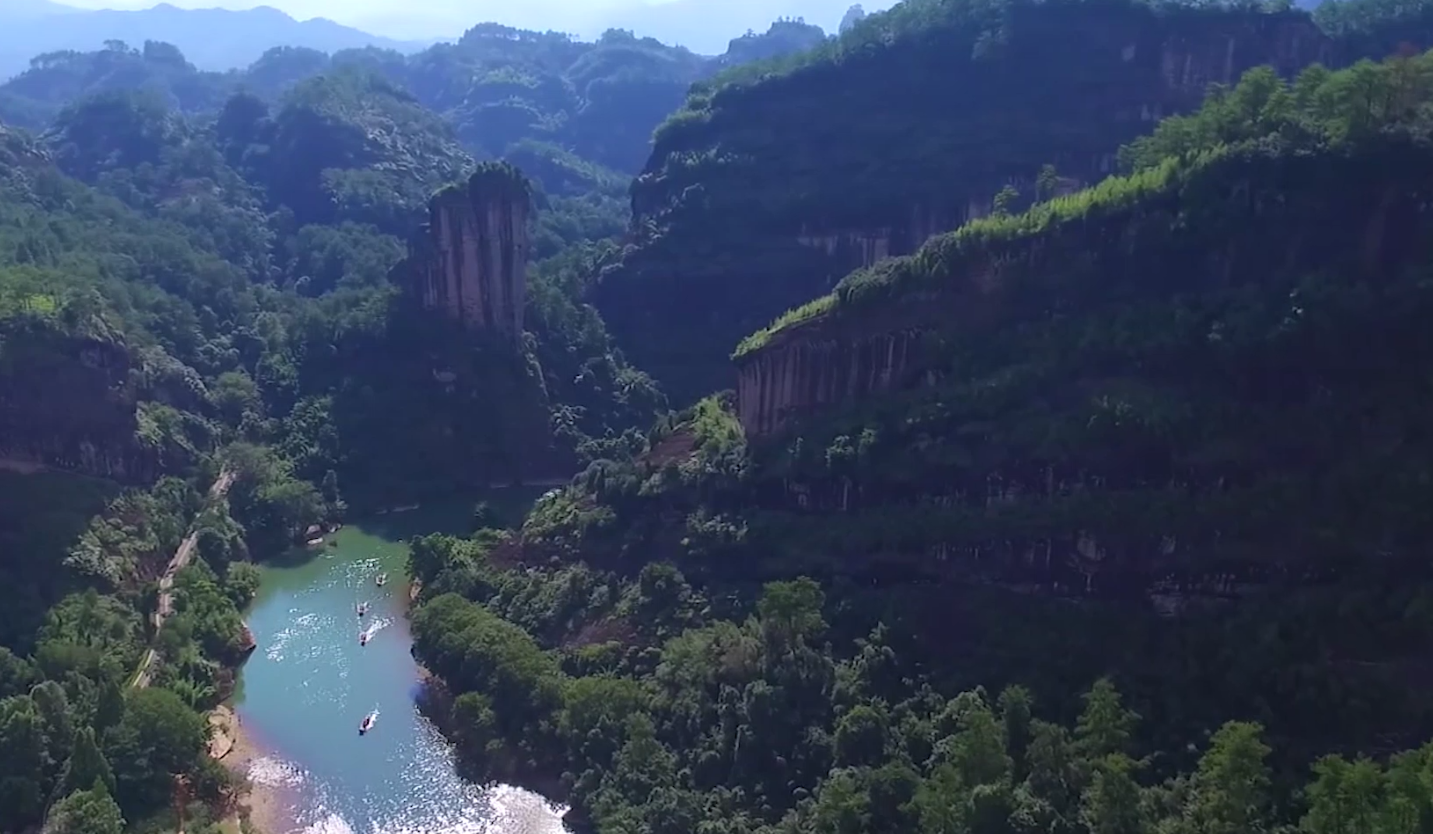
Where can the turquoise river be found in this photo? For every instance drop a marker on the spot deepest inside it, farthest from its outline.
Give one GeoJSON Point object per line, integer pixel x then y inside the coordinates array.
{"type": "Point", "coordinates": [310, 683]}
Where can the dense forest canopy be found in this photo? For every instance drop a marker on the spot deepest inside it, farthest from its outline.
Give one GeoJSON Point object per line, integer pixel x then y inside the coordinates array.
{"type": "Point", "coordinates": [496, 85]}
{"type": "Point", "coordinates": [777, 178]}
{"type": "Point", "coordinates": [1100, 508]}
{"type": "Point", "coordinates": [1164, 406]}
{"type": "Point", "coordinates": [200, 335]}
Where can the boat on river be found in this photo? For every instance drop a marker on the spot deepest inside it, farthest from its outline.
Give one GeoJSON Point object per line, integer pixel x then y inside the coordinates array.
{"type": "Point", "coordinates": [363, 638]}
{"type": "Point", "coordinates": [368, 722]}
{"type": "Point", "coordinates": [362, 608]}
{"type": "Point", "coordinates": [380, 579]}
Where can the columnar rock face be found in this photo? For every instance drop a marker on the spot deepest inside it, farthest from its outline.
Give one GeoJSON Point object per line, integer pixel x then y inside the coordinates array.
{"type": "Point", "coordinates": [470, 260]}
{"type": "Point", "coordinates": [1363, 212]}
{"type": "Point", "coordinates": [750, 172]}
{"type": "Point", "coordinates": [812, 371]}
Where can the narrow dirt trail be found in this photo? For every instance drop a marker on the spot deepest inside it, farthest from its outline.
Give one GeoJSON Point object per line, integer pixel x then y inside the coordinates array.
{"type": "Point", "coordinates": [182, 556]}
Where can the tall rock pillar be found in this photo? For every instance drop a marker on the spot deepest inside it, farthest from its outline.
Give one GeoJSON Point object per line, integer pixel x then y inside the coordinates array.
{"type": "Point", "coordinates": [469, 260]}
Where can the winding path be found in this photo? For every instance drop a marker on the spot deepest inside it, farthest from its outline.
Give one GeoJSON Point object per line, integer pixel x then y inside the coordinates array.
{"type": "Point", "coordinates": [182, 556]}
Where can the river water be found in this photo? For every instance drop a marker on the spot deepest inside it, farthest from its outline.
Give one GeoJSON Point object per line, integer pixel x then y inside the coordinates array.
{"type": "Point", "coordinates": [309, 684]}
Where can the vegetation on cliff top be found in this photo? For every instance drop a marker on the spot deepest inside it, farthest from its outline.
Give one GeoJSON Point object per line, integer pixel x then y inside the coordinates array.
{"type": "Point", "coordinates": [497, 86]}
{"type": "Point", "coordinates": [181, 294]}
{"type": "Point", "coordinates": [1319, 112]}
{"type": "Point", "coordinates": [775, 180]}
{"type": "Point", "coordinates": [212, 293]}
{"type": "Point", "coordinates": [1208, 400]}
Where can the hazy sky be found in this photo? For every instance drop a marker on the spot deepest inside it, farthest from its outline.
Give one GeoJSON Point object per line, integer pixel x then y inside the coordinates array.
{"type": "Point", "coordinates": [415, 18]}
{"type": "Point", "coordinates": [698, 20]}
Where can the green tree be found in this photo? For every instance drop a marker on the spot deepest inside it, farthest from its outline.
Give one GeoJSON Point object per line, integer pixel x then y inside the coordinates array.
{"type": "Point", "coordinates": [16, 674]}
{"type": "Point", "coordinates": [57, 727]}
{"type": "Point", "coordinates": [1004, 201]}
{"type": "Point", "coordinates": [1111, 803]}
{"type": "Point", "coordinates": [86, 766]}
{"type": "Point", "coordinates": [1230, 790]}
{"type": "Point", "coordinates": [91, 811]}
{"type": "Point", "coordinates": [158, 736]}
{"type": "Point", "coordinates": [862, 737]}
{"type": "Point", "coordinates": [1105, 726]}
{"type": "Point", "coordinates": [22, 765]}
{"type": "Point", "coordinates": [1347, 798]}
{"type": "Point", "coordinates": [843, 804]}
{"type": "Point", "coordinates": [791, 611]}
{"type": "Point", "coordinates": [977, 749]}
{"type": "Point", "coordinates": [241, 583]}
{"type": "Point", "coordinates": [1015, 708]}
{"type": "Point", "coordinates": [1046, 182]}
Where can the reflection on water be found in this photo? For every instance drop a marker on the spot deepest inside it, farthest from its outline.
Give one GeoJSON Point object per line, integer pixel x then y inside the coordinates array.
{"type": "Point", "coordinates": [305, 693]}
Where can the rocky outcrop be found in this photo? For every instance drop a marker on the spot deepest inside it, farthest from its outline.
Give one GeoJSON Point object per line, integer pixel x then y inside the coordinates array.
{"type": "Point", "coordinates": [1169, 70]}
{"type": "Point", "coordinates": [469, 261]}
{"type": "Point", "coordinates": [818, 368]}
{"type": "Point", "coordinates": [873, 341]}
{"type": "Point", "coordinates": [68, 401]}
{"type": "Point", "coordinates": [842, 159]}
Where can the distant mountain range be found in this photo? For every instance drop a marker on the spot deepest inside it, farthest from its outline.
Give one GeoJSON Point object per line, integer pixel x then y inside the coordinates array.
{"type": "Point", "coordinates": [218, 39]}
{"type": "Point", "coordinates": [213, 39]}
{"type": "Point", "coordinates": [706, 26]}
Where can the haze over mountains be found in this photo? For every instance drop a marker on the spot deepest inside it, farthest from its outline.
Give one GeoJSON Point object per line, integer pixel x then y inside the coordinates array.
{"type": "Point", "coordinates": [235, 36]}
{"type": "Point", "coordinates": [214, 39]}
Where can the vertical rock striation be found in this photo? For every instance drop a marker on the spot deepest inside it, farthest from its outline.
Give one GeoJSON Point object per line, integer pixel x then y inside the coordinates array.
{"type": "Point", "coordinates": [469, 260]}
{"type": "Point", "coordinates": [1367, 210]}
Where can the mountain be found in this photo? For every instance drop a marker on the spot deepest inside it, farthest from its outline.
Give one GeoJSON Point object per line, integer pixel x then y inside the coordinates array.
{"type": "Point", "coordinates": [29, 9]}
{"type": "Point", "coordinates": [706, 27]}
{"type": "Point", "coordinates": [215, 39]}
{"type": "Point", "coordinates": [752, 222]}
{"type": "Point", "coordinates": [1054, 459]}
{"type": "Point", "coordinates": [1153, 410]}
{"type": "Point", "coordinates": [496, 85]}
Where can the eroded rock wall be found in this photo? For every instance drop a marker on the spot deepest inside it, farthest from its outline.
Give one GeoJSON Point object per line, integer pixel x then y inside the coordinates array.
{"type": "Point", "coordinates": [470, 260]}
{"type": "Point", "coordinates": [1168, 71]}
{"type": "Point", "coordinates": [1366, 217]}
{"type": "Point", "coordinates": [68, 402]}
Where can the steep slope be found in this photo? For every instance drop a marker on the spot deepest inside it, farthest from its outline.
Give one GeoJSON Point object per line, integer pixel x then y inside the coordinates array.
{"type": "Point", "coordinates": [1150, 344]}
{"type": "Point", "coordinates": [347, 146]}
{"type": "Point", "coordinates": [497, 86]}
{"type": "Point", "coordinates": [774, 181]}
{"type": "Point", "coordinates": [1190, 398]}
{"type": "Point", "coordinates": [469, 261]}
{"type": "Point", "coordinates": [353, 376]}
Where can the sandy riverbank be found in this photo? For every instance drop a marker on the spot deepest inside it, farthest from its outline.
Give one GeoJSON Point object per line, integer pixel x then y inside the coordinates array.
{"type": "Point", "coordinates": [267, 806]}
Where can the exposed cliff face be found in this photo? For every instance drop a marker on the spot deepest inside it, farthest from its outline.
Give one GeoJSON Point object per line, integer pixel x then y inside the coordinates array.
{"type": "Point", "coordinates": [814, 369]}
{"type": "Point", "coordinates": [1272, 216]}
{"type": "Point", "coordinates": [470, 260]}
{"type": "Point", "coordinates": [68, 402]}
{"type": "Point", "coordinates": [856, 160]}
{"type": "Point", "coordinates": [1169, 68]}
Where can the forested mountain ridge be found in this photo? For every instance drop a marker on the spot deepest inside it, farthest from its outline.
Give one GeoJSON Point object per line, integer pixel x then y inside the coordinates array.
{"type": "Point", "coordinates": [219, 38]}
{"type": "Point", "coordinates": [1166, 429]}
{"type": "Point", "coordinates": [775, 180]}
{"type": "Point", "coordinates": [186, 293]}
{"type": "Point", "coordinates": [496, 85]}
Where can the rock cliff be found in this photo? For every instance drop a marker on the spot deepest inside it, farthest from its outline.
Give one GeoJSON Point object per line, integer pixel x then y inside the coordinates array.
{"type": "Point", "coordinates": [68, 401]}
{"type": "Point", "coordinates": [886, 328]}
{"type": "Point", "coordinates": [469, 261]}
{"type": "Point", "coordinates": [858, 157]}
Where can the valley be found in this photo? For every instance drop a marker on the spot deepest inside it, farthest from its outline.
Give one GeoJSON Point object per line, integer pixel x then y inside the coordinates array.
{"type": "Point", "coordinates": [995, 418]}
